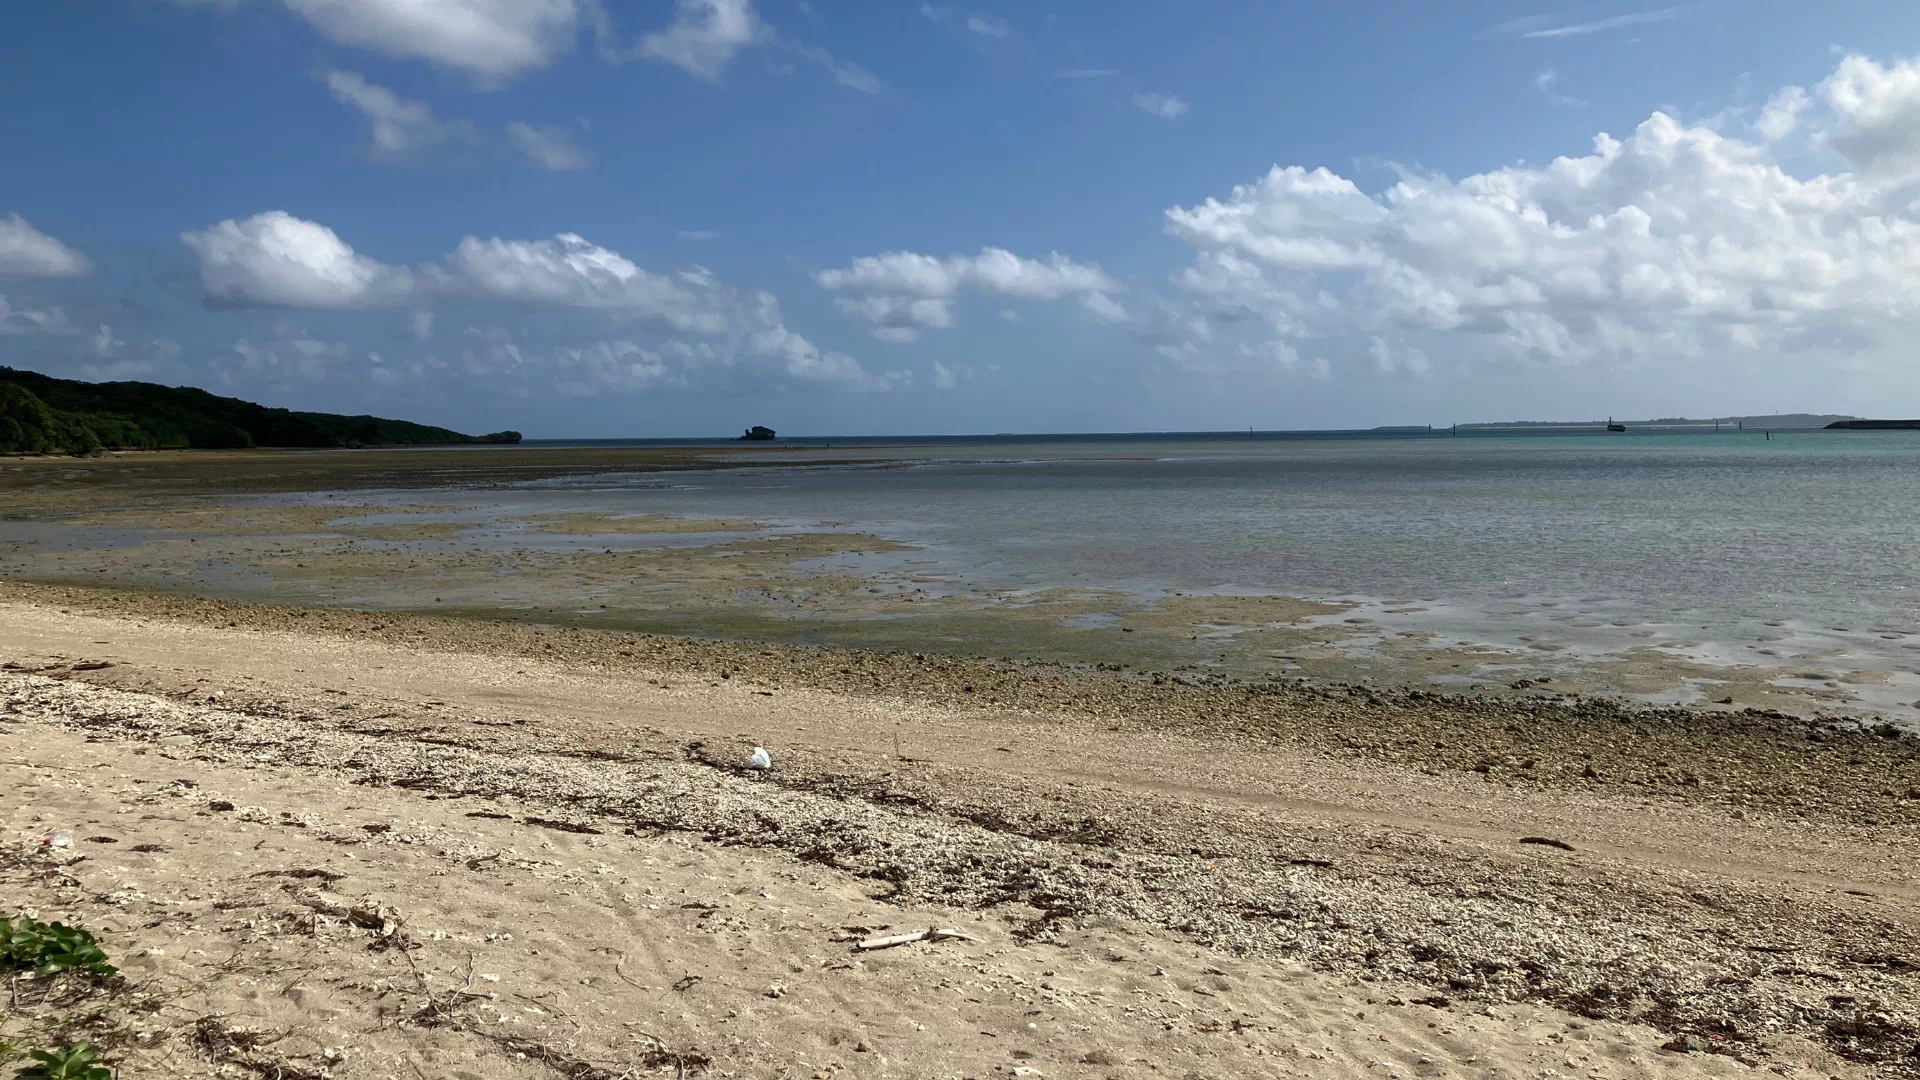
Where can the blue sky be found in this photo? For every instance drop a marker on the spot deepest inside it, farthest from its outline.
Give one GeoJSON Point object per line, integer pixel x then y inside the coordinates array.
{"type": "Point", "coordinates": [603, 218]}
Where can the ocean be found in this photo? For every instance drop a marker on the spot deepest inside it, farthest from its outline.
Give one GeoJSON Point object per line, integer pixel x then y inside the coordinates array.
{"type": "Point", "coordinates": [1799, 552]}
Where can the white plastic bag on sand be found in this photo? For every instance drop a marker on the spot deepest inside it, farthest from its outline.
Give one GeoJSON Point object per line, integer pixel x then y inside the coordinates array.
{"type": "Point", "coordinates": [759, 759]}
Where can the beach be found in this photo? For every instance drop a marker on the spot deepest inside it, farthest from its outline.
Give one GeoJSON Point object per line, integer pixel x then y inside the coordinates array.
{"type": "Point", "coordinates": [1662, 569]}
{"type": "Point", "coordinates": [322, 839]}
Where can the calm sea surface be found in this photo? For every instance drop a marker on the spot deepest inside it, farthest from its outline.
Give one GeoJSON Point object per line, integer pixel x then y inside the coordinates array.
{"type": "Point", "coordinates": [1810, 540]}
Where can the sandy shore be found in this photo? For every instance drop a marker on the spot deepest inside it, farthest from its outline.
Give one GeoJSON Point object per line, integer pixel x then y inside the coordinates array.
{"type": "Point", "coordinates": [389, 845]}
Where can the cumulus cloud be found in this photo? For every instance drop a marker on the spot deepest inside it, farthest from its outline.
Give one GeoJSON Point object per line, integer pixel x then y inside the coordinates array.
{"type": "Point", "coordinates": [27, 251]}
{"type": "Point", "coordinates": [704, 36]}
{"type": "Point", "coordinates": [492, 40]}
{"type": "Point", "coordinates": [569, 271]}
{"type": "Point", "coordinates": [551, 148]}
{"type": "Point", "coordinates": [1165, 106]}
{"type": "Point", "coordinates": [899, 318]}
{"type": "Point", "coordinates": [278, 260]}
{"type": "Point", "coordinates": [900, 293]}
{"type": "Point", "coordinates": [401, 128]}
{"type": "Point", "coordinates": [1675, 241]}
{"type": "Point", "coordinates": [744, 332]}
{"type": "Point", "coordinates": [1781, 114]}
{"type": "Point", "coordinates": [1876, 113]}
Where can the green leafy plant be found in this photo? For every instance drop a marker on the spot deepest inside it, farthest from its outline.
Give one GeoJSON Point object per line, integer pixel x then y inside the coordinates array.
{"type": "Point", "coordinates": [51, 948]}
{"type": "Point", "coordinates": [76, 1062]}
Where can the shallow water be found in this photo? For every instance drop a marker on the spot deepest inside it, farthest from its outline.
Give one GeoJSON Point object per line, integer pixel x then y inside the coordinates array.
{"type": "Point", "coordinates": [1588, 545]}
{"type": "Point", "coordinates": [1677, 567]}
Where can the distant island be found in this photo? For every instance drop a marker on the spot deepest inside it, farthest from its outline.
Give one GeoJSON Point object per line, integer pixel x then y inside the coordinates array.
{"type": "Point", "coordinates": [1776, 420]}
{"type": "Point", "coordinates": [757, 433]}
{"type": "Point", "coordinates": [1875, 425]}
{"type": "Point", "coordinates": [40, 414]}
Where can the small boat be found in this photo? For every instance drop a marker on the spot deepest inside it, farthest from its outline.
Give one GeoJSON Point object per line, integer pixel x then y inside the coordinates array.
{"type": "Point", "coordinates": [1611, 426]}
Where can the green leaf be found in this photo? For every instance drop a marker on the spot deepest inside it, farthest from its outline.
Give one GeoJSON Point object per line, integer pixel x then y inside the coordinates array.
{"type": "Point", "coordinates": [76, 1062]}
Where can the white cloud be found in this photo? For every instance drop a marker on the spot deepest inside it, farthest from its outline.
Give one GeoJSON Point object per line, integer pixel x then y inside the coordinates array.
{"type": "Point", "coordinates": [569, 271]}
{"type": "Point", "coordinates": [901, 293]}
{"type": "Point", "coordinates": [1674, 242]}
{"type": "Point", "coordinates": [988, 27]}
{"type": "Point", "coordinates": [747, 334]}
{"type": "Point", "coordinates": [421, 323]}
{"type": "Point", "coordinates": [1781, 114]}
{"type": "Point", "coordinates": [1086, 73]}
{"type": "Point", "coordinates": [278, 260]}
{"type": "Point", "coordinates": [101, 355]}
{"type": "Point", "coordinates": [944, 377]}
{"type": "Point", "coordinates": [1165, 106]}
{"type": "Point", "coordinates": [704, 36]}
{"type": "Point", "coordinates": [27, 251]}
{"type": "Point", "coordinates": [899, 318]}
{"type": "Point", "coordinates": [1531, 27]}
{"type": "Point", "coordinates": [623, 365]}
{"type": "Point", "coordinates": [1876, 113]}
{"type": "Point", "coordinates": [551, 148]}
{"type": "Point", "coordinates": [1103, 307]}
{"type": "Point", "coordinates": [401, 128]}
{"type": "Point", "coordinates": [936, 14]}
{"type": "Point", "coordinates": [492, 40]}
{"type": "Point", "coordinates": [1389, 357]}
{"type": "Point", "coordinates": [993, 270]}
{"type": "Point", "coordinates": [49, 320]}
{"type": "Point", "coordinates": [699, 234]}
{"type": "Point", "coordinates": [1517, 26]}
{"type": "Point", "coordinates": [850, 75]}
{"type": "Point", "coordinates": [104, 343]}
{"type": "Point", "coordinates": [1547, 81]}
{"type": "Point", "coordinates": [283, 359]}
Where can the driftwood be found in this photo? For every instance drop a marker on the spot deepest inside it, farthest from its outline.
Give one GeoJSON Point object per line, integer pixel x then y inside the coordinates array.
{"type": "Point", "coordinates": [889, 941]}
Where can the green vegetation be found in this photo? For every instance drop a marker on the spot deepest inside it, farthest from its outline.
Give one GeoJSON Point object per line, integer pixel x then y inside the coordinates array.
{"type": "Point", "coordinates": [76, 1062]}
{"type": "Point", "coordinates": [50, 948]}
{"type": "Point", "coordinates": [40, 414]}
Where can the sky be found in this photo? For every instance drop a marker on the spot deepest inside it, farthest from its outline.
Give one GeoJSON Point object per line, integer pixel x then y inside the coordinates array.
{"type": "Point", "coordinates": [634, 218]}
